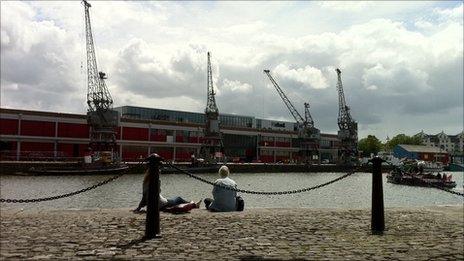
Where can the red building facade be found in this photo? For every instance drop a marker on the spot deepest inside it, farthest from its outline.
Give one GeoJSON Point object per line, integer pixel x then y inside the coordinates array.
{"type": "Point", "coordinates": [38, 135]}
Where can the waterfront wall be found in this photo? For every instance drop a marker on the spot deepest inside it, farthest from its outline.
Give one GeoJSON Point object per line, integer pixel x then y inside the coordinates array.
{"type": "Point", "coordinates": [22, 168]}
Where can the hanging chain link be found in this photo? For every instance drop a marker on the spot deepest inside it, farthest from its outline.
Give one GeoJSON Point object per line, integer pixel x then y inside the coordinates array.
{"type": "Point", "coordinates": [63, 195]}
{"type": "Point", "coordinates": [430, 184]}
{"type": "Point", "coordinates": [441, 188]}
{"type": "Point", "coordinates": [264, 192]}
{"type": "Point", "coordinates": [2, 200]}
{"type": "Point", "coordinates": [287, 192]}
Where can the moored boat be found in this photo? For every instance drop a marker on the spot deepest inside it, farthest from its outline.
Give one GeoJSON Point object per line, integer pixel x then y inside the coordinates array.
{"type": "Point", "coordinates": [456, 167]}
{"type": "Point", "coordinates": [431, 166]}
{"type": "Point", "coordinates": [398, 176]}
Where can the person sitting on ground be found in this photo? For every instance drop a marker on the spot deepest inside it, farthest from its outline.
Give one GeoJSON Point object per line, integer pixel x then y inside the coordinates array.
{"type": "Point", "coordinates": [223, 199]}
{"type": "Point", "coordinates": [174, 204]}
{"type": "Point", "coordinates": [449, 177]}
{"type": "Point", "coordinates": [421, 169]}
{"type": "Point", "coordinates": [444, 177]}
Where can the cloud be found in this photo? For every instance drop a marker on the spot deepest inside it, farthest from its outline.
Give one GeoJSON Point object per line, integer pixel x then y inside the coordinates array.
{"type": "Point", "coordinates": [347, 6]}
{"type": "Point", "coordinates": [36, 66]}
{"type": "Point", "coordinates": [400, 64]}
{"type": "Point", "coordinates": [236, 86]}
{"type": "Point", "coordinates": [379, 76]}
{"type": "Point", "coordinates": [446, 14]}
{"type": "Point", "coordinates": [308, 75]}
{"type": "Point", "coordinates": [139, 71]}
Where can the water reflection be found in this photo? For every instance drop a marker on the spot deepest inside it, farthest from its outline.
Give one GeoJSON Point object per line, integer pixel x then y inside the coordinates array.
{"type": "Point", "coordinates": [125, 192]}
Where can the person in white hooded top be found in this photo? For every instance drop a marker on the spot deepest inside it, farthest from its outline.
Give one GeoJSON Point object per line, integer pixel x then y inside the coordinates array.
{"type": "Point", "coordinates": [223, 199]}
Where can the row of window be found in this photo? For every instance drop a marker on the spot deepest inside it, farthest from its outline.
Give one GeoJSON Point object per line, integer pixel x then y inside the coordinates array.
{"type": "Point", "coordinates": [277, 139]}
{"type": "Point", "coordinates": [158, 114]}
{"type": "Point", "coordinates": [181, 116]}
{"type": "Point", "coordinates": [278, 153]}
{"type": "Point", "coordinates": [236, 121]}
{"type": "Point", "coordinates": [226, 120]}
{"type": "Point", "coordinates": [450, 147]}
{"type": "Point", "coordinates": [181, 133]}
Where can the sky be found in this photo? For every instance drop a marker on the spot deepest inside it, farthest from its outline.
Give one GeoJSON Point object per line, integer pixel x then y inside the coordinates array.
{"type": "Point", "coordinates": [401, 62]}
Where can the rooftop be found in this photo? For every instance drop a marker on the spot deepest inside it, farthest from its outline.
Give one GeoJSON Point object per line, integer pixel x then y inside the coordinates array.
{"type": "Point", "coordinates": [421, 148]}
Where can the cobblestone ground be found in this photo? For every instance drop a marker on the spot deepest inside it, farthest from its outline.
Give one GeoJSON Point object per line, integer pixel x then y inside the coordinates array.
{"type": "Point", "coordinates": [255, 234]}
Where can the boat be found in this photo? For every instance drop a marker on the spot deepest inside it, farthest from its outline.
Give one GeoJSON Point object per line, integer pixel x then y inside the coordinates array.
{"type": "Point", "coordinates": [398, 176]}
{"type": "Point", "coordinates": [96, 168]}
{"type": "Point", "coordinates": [456, 167]}
{"type": "Point", "coordinates": [432, 166]}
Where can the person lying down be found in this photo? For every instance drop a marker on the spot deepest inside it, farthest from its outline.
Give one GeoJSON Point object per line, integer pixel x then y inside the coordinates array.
{"type": "Point", "coordinates": [175, 205]}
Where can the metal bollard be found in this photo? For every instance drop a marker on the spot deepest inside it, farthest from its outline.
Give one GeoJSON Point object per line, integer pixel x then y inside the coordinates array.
{"type": "Point", "coordinates": [377, 218]}
{"type": "Point", "coordinates": [152, 222]}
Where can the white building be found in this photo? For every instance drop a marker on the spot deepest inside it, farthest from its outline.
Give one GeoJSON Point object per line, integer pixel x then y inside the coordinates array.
{"type": "Point", "coordinates": [450, 143]}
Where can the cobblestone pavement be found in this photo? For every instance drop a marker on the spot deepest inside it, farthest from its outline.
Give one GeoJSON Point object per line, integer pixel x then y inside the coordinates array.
{"type": "Point", "coordinates": [434, 233]}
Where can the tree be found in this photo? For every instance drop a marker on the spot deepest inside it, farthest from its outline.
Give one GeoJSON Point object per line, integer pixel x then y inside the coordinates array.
{"type": "Point", "coordinates": [403, 139]}
{"type": "Point", "coordinates": [369, 145]}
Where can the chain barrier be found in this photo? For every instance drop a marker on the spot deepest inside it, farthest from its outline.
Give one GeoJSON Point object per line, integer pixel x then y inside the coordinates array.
{"type": "Point", "coordinates": [264, 192]}
{"type": "Point", "coordinates": [214, 184]}
{"type": "Point", "coordinates": [442, 188]}
{"type": "Point", "coordinates": [430, 184]}
{"type": "Point", "coordinates": [2, 200]}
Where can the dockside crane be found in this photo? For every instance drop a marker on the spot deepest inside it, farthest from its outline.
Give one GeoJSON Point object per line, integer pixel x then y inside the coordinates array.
{"type": "Point", "coordinates": [101, 117]}
{"type": "Point", "coordinates": [348, 127]}
{"type": "Point", "coordinates": [308, 119]}
{"type": "Point", "coordinates": [212, 146]}
{"type": "Point", "coordinates": [308, 135]}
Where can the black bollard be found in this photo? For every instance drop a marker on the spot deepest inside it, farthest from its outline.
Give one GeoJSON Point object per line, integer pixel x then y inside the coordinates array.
{"type": "Point", "coordinates": [152, 222]}
{"type": "Point", "coordinates": [377, 218]}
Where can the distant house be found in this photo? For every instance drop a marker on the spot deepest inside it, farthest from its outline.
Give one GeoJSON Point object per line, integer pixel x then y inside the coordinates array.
{"type": "Point", "coordinates": [453, 144]}
{"type": "Point", "coordinates": [420, 152]}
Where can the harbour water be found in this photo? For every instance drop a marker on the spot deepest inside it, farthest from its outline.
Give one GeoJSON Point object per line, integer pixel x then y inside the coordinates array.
{"type": "Point", "coordinates": [353, 192]}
